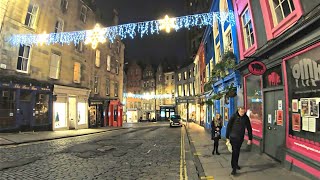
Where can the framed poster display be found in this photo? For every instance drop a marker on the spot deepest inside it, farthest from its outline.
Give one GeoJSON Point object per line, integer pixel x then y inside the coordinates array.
{"type": "Point", "coordinates": [296, 122]}
{"type": "Point", "coordinates": [305, 124]}
{"type": "Point", "coordinates": [305, 107]}
{"type": "Point", "coordinates": [279, 117]}
{"type": "Point", "coordinates": [295, 105]}
{"type": "Point", "coordinates": [314, 108]}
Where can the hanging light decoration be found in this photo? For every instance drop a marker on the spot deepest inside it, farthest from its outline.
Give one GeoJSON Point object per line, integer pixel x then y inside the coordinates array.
{"type": "Point", "coordinates": [95, 36]}
{"type": "Point", "coordinates": [167, 23]}
{"type": "Point", "coordinates": [99, 34]}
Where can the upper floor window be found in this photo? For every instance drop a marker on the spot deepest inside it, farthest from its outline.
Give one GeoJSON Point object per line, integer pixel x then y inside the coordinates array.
{"type": "Point", "coordinates": [64, 5]}
{"type": "Point", "coordinates": [76, 72]}
{"type": "Point", "coordinates": [97, 58]}
{"type": "Point", "coordinates": [107, 87]}
{"type": "Point", "coordinates": [179, 77]}
{"type": "Point", "coordinates": [83, 14]}
{"type": "Point", "coordinates": [59, 26]}
{"type": "Point", "coordinates": [23, 58]}
{"type": "Point", "coordinates": [247, 29]}
{"type": "Point", "coordinates": [116, 89]}
{"type": "Point", "coordinates": [117, 67]}
{"type": "Point", "coordinates": [55, 65]}
{"type": "Point", "coordinates": [281, 9]}
{"type": "Point", "coordinates": [108, 63]}
{"type": "Point", "coordinates": [185, 75]}
{"type": "Point", "coordinates": [218, 53]}
{"type": "Point", "coordinates": [79, 46]}
{"type": "Point", "coordinates": [228, 44]}
{"type": "Point", "coordinates": [31, 16]}
{"type": "Point", "coordinates": [96, 84]}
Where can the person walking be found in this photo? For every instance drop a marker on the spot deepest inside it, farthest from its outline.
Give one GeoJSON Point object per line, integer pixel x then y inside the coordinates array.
{"type": "Point", "coordinates": [216, 126]}
{"type": "Point", "coordinates": [238, 122]}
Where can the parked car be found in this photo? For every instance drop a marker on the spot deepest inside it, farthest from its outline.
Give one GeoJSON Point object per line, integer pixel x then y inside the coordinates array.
{"type": "Point", "coordinates": [175, 120]}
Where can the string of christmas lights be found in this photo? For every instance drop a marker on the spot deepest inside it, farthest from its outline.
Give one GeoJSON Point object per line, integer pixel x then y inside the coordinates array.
{"type": "Point", "coordinates": [148, 96]}
{"type": "Point", "coordinates": [123, 31]}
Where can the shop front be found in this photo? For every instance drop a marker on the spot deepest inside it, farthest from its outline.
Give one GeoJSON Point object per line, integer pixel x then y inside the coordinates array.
{"type": "Point", "coordinates": [97, 108]}
{"type": "Point", "coordinates": [25, 107]}
{"type": "Point", "coordinates": [70, 108]}
{"type": "Point", "coordinates": [302, 90]}
{"type": "Point", "coordinates": [166, 111]}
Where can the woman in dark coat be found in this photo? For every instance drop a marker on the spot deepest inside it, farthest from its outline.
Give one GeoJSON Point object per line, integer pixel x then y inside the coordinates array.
{"type": "Point", "coordinates": [216, 126]}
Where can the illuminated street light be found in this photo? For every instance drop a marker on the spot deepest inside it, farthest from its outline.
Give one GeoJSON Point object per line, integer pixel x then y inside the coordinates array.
{"type": "Point", "coordinates": [95, 36]}
{"type": "Point", "coordinates": [167, 23]}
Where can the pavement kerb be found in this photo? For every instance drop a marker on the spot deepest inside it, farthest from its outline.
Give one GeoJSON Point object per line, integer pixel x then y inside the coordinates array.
{"type": "Point", "coordinates": [198, 164]}
{"type": "Point", "coordinates": [61, 137]}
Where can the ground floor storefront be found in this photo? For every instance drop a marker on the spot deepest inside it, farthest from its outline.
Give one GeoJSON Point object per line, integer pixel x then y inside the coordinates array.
{"type": "Point", "coordinates": [25, 107]}
{"type": "Point", "coordinates": [70, 108]}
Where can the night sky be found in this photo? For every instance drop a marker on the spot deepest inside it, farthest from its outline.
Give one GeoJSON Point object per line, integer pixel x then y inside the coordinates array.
{"type": "Point", "coordinates": [150, 48]}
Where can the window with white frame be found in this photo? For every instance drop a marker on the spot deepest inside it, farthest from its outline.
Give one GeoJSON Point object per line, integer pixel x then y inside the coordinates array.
{"type": "Point", "coordinates": [59, 26]}
{"type": "Point", "coordinates": [31, 16]}
{"type": "Point", "coordinates": [96, 85]}
{"type": "Point", "coordinates": [108, 63]}
{"type": "Point", "coordinates": [107, 87]}
{"type": "Point", "coordinates": [281, 9]}
{"type": "Point", "coordinates": [23, 58]}
{"type": "Point", "coordinates": [79, 46]}
{"type": "Point", "coordinates": [55, 66]}
{"type": "Point", "coordinates": [97, 63]}
{"type": "Point", "coordinates": [83, 13]}
{"type": "Point", "coordinates": [64, 5]}
{"type": "Point", "coordinates": [179, 77]}
{"type": "Point", "coordinates": [76, 72]}
{"type": "Point", "coordinates": [116, 89]}
{"type": "Point", "coordinates": [247, 29]}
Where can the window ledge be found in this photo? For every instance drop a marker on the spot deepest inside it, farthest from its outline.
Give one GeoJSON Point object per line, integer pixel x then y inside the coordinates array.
{"type": "Point", "coordinates": [250, 50]}
{"type": "Point", "coordinates": [285, 24]}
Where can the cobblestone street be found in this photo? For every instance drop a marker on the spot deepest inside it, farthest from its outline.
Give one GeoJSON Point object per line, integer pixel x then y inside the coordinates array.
{"type": "Point", "coordinates": [137, 153]}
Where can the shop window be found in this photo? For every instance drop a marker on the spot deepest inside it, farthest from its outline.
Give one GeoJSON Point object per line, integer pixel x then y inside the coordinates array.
{"type": "Point", "coordinates": [59, 114]}
{"type": "Point", "coordinates": [7, 108]}
{"type": "Point", "coordinates": [304, 95]}
{"type": "Point", "coordinates": [253, 101]}
{"type": "Point", "coordinates": [97, 58]}
{"type": "Point", "coordinates": [31, 16]}
{"type": "Point", "coordinates": [23, 58]}
{"type": "Point", "coordinates": [55, 66]}
{"type": "Point", "coordinates": [42, 109]}
{"type": "Point", "coordinates": [247, 29]}
{"type": "Point", "coordinates": [76, 72]}
{"type": "Point", "coordinates": [82, 113]}
{"type": "Point", "coordinates": [108, 63]}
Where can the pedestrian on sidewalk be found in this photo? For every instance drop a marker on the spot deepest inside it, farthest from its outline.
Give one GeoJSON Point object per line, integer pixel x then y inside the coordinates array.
{"type": "Point", "coordinates": [238, 122]}
{"type": "Point", "coordinates": [216, 126]}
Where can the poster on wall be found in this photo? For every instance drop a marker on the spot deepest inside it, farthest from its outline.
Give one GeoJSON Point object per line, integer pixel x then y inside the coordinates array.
{"type": "Point", "coordinates": [314, 108]}
{"type": "Point", "coordinates": [295, 106]}
{"type": "Point", "coordinates": [279, 117]}
{"type": "Point", "coordinates": [305, 124]}
{"type": "Point", "coordinates": [305, 107]}
{"type": "Point", "coordinates": [226, 112]}
{"type": "Point", "coordinates": [269, 118]}
{"type": "Point", "coordinates": [296, 122]}
{"type": "Point", "coordinates": [312, 124]}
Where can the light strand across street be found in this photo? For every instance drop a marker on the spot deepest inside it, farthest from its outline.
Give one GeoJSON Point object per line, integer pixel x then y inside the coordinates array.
{"type": "Point", "coordinates": [123, 31]}
{"type": "Point", "coordinates": [148, 96]}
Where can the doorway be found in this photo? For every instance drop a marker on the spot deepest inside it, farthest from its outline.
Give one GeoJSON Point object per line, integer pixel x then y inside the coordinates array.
{"type": "Point", "coordinates": [72, 112]}
{"type": "Point", "coordinates": [26, 110]}
{"type": "Point", "coordinates": [274, 124]}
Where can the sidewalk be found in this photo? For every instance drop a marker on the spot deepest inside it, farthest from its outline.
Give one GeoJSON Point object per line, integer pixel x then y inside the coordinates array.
{"type": "Point", "coordinates": [253, 165]}
{"type": "Point", "coordinates": [25, 137]}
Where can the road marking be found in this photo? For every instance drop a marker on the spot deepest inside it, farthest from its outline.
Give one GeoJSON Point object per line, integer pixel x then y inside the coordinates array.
{"type": "Point", "coordinates": [183, 164]}
{"type": "Point", "coordinates": [149, 151]}
{"type": "Point", "coordinates": [207, 177]}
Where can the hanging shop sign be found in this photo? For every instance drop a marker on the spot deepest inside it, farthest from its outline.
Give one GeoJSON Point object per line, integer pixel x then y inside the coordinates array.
{"type": "Point", "coordinates": [257, 68]}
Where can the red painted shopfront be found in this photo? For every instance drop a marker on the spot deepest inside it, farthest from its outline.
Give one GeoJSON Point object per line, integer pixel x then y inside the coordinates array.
{"type": "Point", "coordinates": [115, 113]}
{"type": "Point", "coordinates": [302, 90]}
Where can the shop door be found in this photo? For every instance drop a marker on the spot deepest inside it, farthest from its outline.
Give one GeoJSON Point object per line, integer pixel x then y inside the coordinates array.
{"type": "Point", "coordinates": [26, 109]}
{"type": "Point", "coordinates": [72, 112]}
{"type": "Point", "coordinates": [274, 128]}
